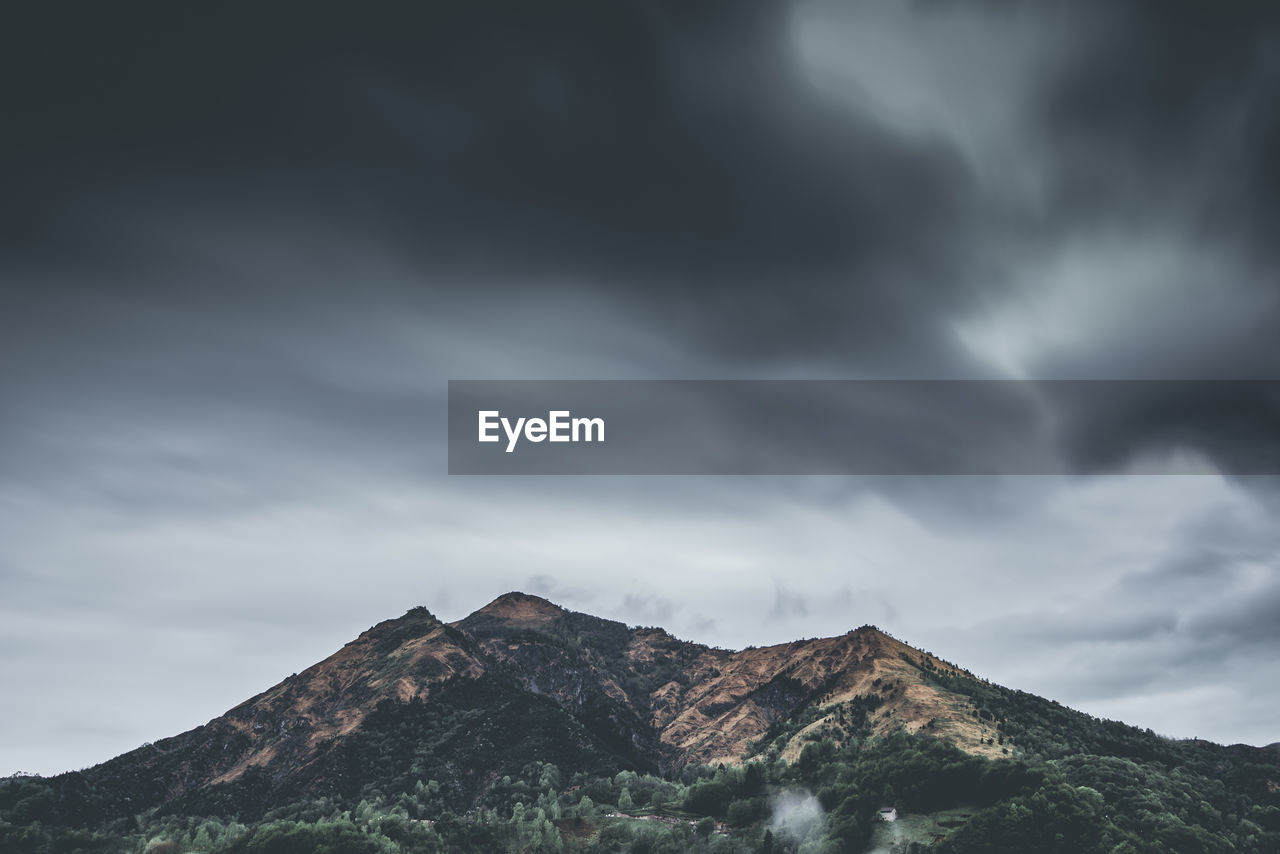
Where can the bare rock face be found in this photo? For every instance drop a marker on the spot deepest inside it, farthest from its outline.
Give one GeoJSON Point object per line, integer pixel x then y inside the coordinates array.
{"type": "Point", "coordinates": [595, 690]}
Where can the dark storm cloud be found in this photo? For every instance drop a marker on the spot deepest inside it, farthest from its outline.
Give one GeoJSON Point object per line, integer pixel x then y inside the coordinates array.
{"type": "Point", "coordinates": [1169, 123]}
{"type": "Point", "coordinates": [1102, 425]}
{"type": "Point", "coordinates": [1173, 111]}
{"type": "Point", "coordinates": [676, 153]}
{"type": "Point", "coordinates": [677, 158]}
{"type": "Point", "coordinates": [1161, 133]}
{"type": "Point", "coordinates": [242, 251]}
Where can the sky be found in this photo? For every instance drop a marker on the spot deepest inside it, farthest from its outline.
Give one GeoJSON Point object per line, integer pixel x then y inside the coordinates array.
{"type": "Point", "coordinates": [241, 254]}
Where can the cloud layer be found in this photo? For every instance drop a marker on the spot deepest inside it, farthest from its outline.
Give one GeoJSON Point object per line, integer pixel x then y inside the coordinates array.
{"type": "Point", "coordinates": [241, 258]}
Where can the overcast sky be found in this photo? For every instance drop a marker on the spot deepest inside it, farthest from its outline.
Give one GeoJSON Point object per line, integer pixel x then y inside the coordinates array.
{"type": "Point", "coordinates": [242, 254]}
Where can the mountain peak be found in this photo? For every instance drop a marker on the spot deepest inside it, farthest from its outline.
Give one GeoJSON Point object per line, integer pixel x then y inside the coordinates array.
{"type": "Point", "coordinates": [599, 688]}
{"type": "Point", "coordinates": [417, 617]}
{"type": "Point", "coordinates": [515, 610]}
{"type": "Point", "coordinates": [516, 597]}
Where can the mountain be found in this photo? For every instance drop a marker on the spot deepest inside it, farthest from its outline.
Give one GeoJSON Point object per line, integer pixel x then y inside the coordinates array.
{"type": "Point", "coordinates": [634, 698]}
{"type": "Point", "coordinates": [459, 716]}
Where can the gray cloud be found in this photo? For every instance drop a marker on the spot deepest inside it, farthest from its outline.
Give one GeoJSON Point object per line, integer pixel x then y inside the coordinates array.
{"type": "Point", "coordinates": [649, 609]}
{"type": "Point", "coordinates": [787, 603]}
{"type": "Point", "coordinates": [240, 261]}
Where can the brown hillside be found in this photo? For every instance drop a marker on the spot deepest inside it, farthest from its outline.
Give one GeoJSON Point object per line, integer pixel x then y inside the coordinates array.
{"type": "Point", "coordinates": [639, 694]}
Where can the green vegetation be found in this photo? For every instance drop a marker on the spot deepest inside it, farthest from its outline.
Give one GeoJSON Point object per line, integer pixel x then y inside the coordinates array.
{"type": "Point", "coordinates": [490, 765]}
{"type": "Point", "coordinates": [1218, 799]}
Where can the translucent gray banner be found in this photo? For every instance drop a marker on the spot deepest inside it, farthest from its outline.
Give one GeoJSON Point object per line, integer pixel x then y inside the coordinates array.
{"type": "Point", "coordinates": [860, 427]}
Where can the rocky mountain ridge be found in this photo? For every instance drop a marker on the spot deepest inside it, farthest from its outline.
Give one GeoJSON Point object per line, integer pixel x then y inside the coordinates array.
{"type": "Point", "coordinates": [630, 697]}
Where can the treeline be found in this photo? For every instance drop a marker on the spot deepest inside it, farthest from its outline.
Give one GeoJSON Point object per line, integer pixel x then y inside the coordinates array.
{"type": "Point", "coordinates": [446, 778]}
{"type": "Point", "coordinates": [728, 809]}
{"type": "Point", "coordinates": [1165, 794]}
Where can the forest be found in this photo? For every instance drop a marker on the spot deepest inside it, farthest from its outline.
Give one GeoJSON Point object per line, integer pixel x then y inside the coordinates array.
{"type": "Point", "coordinates": [470, 774]}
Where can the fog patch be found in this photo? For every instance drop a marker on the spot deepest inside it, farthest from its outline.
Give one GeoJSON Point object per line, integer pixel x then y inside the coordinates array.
{"type": "Point", "coordinates": [799, 818]}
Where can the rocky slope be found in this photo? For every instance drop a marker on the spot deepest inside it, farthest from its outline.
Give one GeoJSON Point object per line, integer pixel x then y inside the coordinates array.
{"type": "Point", "coordinates": [589, 690]}
{"type": "Point", "coordinates": [710, 705]}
